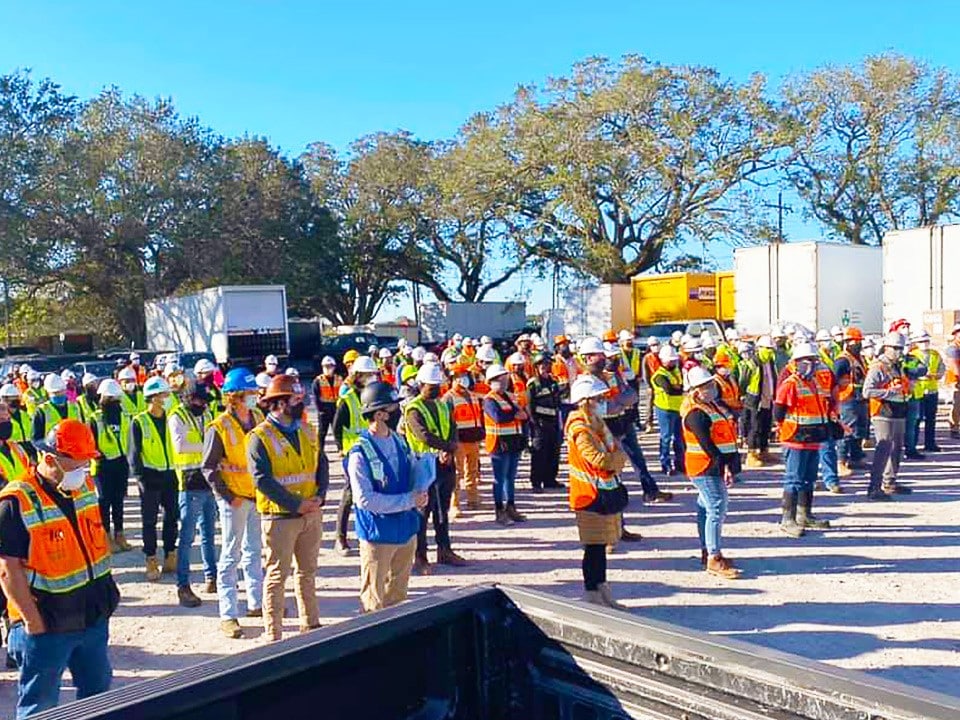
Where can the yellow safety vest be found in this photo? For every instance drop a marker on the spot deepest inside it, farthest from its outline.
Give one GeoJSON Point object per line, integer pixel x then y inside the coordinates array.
{"type": "Point", "coordinates": [186, 461]}
{"type": "Point", "coordinates": [133, 406]}
{"type": "Point", "coordinates": [110, 446]}
{"type": "Point", "coordinates": [52, 414]}
{"type": "Point", "coordinates": [351, 433]}
{"type": "Point", "coordinates": [931, 384]}
{"type": "Point", "coordinates": [295, 471]}
{"type": "Point", "coordinates": [15, 468]}
{"type": "Point", "coordinates": [33, 398]}
{"type": "Point", "coordinates": [156, 452]}
{"type": "Point", "coordinates": [233, 468]}
{"type": "Point", "coordinates": [443, 411]}
{"type": "Point", "coordinates": [22, 431]}
{"type": "Point", "coordinates": [661, 399]}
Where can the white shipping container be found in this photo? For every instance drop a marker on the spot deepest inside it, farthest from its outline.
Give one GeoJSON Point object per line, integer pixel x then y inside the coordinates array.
{"type": "Point", "coordinates": [919, 272]}
{"type": "Point", "coordinates": [815, 284]}
{"type": "Point", "coordinates": [441, 320]}
{"type": "Point", "coordinates": [595, 309]}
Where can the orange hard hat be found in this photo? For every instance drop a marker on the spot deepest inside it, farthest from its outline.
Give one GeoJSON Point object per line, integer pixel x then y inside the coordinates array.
{"type": "Point", "coordinates": [722, 358]}
{"type": "Point", "coordinates": [610, 336]}
{"type": "Point", "coordinates": [283, 386]}
{"type": "Point", "coordinates": [69, 438]}
{"type": "Point", "coordinates": [560, 339]}
{"type": "Point", "coordinates": [460, 368]}
{"type": "Point", "coordinates": [852, 333]}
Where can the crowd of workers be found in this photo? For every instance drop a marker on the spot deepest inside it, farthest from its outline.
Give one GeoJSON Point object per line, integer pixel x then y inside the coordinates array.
{"type": "Point", "coordinates": [410, 428]}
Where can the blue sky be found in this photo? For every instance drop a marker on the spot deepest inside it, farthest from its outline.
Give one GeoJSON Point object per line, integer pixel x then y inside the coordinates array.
{"type": "Point", "coordinates": [296, 72]}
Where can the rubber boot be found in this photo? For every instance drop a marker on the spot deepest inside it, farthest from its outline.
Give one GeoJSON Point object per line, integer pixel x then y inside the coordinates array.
{"type": "Point", "coordinates": [805, 516]}
{"type": "Point", "coordinates": [607, 596]}
{"type": "Point", "coordinates": [788, 523]}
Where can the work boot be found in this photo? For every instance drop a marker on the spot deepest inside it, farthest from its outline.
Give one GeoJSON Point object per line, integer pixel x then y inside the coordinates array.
{"type": "Point", "coordinates": [788, 523]}
{"type": "Point", "coordinates": [753, 460]}
{"type": "Point", "coordinates": [421, 565]}
{"type": "Point", "coordinates": [308, 628]}
{"type": "Point", "coordinates": [878, 495]}
{"type": "Point", "coordinates": [630, 536]}
{"type": "Point", "coordinates": [231, 629]}
{"type": "Point", "coordinates": [210, 587]}
{"type": "Point", "coordinates": [153, 569]}
{"type": "Point", "coordinates": [805, 516]}
{"type": "Point", "coordinates": [449, 557]}
{"type": "Point", "coordinates": [835, 489]}
{"type": "Point", "coordinates": [341, 547]}
{"type": "Point", "coordinates": [914, 455]}
{"type": "Point", "coordinates": [721, 567]}
{"type": "Point", "coordinates": [844, 469]}
{"type": "Point", "coordinates": [122, 542]}
{"type": "Point", "coordinates": [454, 512]}
{"type": "Point", "coordinates": [187, 598]}
{"type": "Point", "coordinates": [503, 519]}
{"type": "Point", "coordinates": [255, 613]}
{"type": "Point", "coordinates": [703, 558]}
{"type": "Point", "coordinates": [934, 449]}
{"type": "Point", "coordinates": [607, 596]}
{"type": "Point", "coordinates": [896, 488]}
{"type": "Point", "coordinates": [112, 543]}
{"type": "Point", "coordinates": [514, 514]}
{"type": "Point", "coordinates": [767, 458]}
{"type": "Point", "coordinates": [170, 562]}
{"type": "Point", "coordinates": [593, 597]}
{"type": "Point", "coordinates": [473, 503]}
{"type": "Point", "coordinates": [870, 443]}
{"type": "Point", "coordinates": [658, 496]}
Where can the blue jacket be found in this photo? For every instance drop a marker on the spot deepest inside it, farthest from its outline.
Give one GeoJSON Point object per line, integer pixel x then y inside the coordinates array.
{"type": "Point", "coordinates": [371, 471]}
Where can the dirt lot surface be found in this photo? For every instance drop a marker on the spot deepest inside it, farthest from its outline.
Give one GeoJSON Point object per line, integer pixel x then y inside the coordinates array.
{"type": "Point", "coordinates": [878, 592]}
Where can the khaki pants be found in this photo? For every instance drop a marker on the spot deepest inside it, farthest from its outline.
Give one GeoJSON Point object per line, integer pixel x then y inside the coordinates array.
{"type": "Point", "coordinates": [467, 459]}
{"type": "Point", "coordinates": [384, 573]}
{"type": "Point", "coordinates": [291, 540]}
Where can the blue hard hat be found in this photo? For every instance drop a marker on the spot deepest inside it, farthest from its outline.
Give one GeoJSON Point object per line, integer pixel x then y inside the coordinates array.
{"type": "Point", "coordinates": [239, 380]}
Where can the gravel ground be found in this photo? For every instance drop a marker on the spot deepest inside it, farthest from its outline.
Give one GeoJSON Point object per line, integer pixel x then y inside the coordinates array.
{"type": "Point", "coordinates": [878, 592]}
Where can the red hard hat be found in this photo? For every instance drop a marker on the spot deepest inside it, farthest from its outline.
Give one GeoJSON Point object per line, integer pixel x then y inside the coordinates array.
{"type": "Point", "coordinates": [897, 324]}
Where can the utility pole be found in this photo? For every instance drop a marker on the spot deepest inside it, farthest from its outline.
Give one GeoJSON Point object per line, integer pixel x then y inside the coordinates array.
{"type": "Point", "coordinates": [781, 209]}
{"type": "Point", "coordinates": [6, 312]}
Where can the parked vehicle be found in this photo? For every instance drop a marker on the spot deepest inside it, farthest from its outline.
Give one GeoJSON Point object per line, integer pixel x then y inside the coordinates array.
{"type": "Point", "coordinates": [440, 321]}
{"type": "Point", "coordinates": [663, 331]}
{"type": "Point", "coordinates": [674, 296]}
{"type": "Point", "coordinates": [595, 309]}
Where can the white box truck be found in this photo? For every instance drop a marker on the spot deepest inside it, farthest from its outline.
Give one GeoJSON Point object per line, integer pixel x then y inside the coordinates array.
{"type": "Point", "coordinates": [441, 320]}
{"type": "Point", "coordinates": [595, 309]}
{"type": "Point", "coordinates": [814, 284]}
{"type": "Point", "coordinates": [237, 323]}
{"type": "Point", "coordinates": [919, 272]}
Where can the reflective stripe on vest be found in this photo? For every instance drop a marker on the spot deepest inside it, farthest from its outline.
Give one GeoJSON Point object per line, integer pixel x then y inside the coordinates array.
{"type": "Point", "coordinates": [233, 467]}
{"type": "Point", "coordinates": [155, 451]}
{"type": "Point", "coordinates": [466, 410]}
{"type": "Point", "coordinates": [17, 466]}
{"type": "Point", "coordinates": [443, 431]}
{"type": "Point", "coordinates": [809, 410]}
{"type": "Point", "coordinates": [132, 406]}
{"type": "Point", "coordinates": [329, 388]}
{"type": "Point", "coordinates": [850, 385]}
{"type": "Point", "coordinates": [723, 433]}
{"type": "Point", "coordinates": [296, 471]}
{"type": "Point", "coordinates": [355, 424]}
{"type": "Point", "coordinates": [186, 461]}
{"type": "Point", "coordinates": [587, 480]}
{"type": "Point", "coordinates": [660, 398]}
{"type": "Point", "coordinates": [495, 430]}
{"type": "Point", "coordinates": [52, 414]}
{"type": "Point", "coordinates": [898, 396]}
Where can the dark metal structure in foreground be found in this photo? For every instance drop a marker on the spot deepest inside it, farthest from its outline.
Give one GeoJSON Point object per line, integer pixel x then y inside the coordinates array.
{"type": "Point", "coordinates": [503, 652]}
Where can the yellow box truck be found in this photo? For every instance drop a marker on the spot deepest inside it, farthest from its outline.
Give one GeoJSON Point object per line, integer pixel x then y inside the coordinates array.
{"type": "Point", "coordinates": [674, 296]}
{"type": "Point", "coordinates": [726, 309]}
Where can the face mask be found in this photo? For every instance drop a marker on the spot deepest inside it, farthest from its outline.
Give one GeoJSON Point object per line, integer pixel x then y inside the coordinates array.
{"type": "Point", "coordinates": [74, 479]}
{"type": "Point", "coordinates": [130, 388]}
{"type": "Point", "coordinates": [168, 403]}
{"type": "Point", "coordinates": [393, 420]}
{"type": "Point", "coordinates": [250, 402]}
{"type": "Point", "coordinates": [58, 399]}
{"type": "Point", "coordinates": [14, 405]}
{"type": "Point", "coordinates": [431, 392]}
{"type": "Point", "coordinates": [805, 368]}
{"type": "Point", "coordinates": [725, 372]}
{"type": "Point", "coordinates": [295, 411]}
{"type": "Point", "coordinates": [463, 382]}
{"type": "Point", "coordinates": [496, 385]}
{"type": "Point", "coordinates": [601, 407]}
{"type": "Point", "coordinates": [854, 348]}
{"type": "Point", "coordinates": [598, 366]}
{"type": "Point", "coordinates": [6, 430]}
{"type": "Point", "coordinates": [111, 411]}
{"type": "Point", "coordinates": [709, 393]}
{"type": "Point", "coordinates": [91, 394]}
{"type": "Point", "coordinates": [197, 410]}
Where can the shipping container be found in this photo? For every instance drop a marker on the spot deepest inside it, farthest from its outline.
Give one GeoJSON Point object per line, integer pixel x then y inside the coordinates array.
{"type": "Point", "coordinates": [235, 323]}
{"type": "Point", "coordinates": [595, 309]}
{"type": "Point", "coordinates": [726, 297]}
{"type": "Point", "coordinates": [814, 284]}
{"type": "Point", "coordinates": [920, 272]}
{"type": "Point", "coordinates": [674, 296]}
{"type": "Point", "coordinates": [441, 320]}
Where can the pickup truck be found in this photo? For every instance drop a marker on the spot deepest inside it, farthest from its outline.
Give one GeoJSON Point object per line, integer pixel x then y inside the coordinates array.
{"type": "Point", "coordinates": [663, 330]}
{"type": "Point", "coordinates": [501, 652]}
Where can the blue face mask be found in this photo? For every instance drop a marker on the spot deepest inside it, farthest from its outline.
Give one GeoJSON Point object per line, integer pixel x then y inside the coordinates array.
{"type": "Point", "coordinates": [58, 399]}
{"type": "Point", "coordinates": [601, 408]}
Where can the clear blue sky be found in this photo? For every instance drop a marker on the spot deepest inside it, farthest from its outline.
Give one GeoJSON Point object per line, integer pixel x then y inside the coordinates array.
{"type": "Point", "coordinates": [299, 71]}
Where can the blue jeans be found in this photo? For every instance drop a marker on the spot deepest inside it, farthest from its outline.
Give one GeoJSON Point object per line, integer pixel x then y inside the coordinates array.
{"type": "Point", "coordinates": [711, 511]}
{"type": "Point", "coordinates": [827, 456]}
{"type": "Point", "coordinates": [43, 658]}
{"type": "Point", "coordinates": [913, 427]}
{"type": "Point", "coordinates": [854, 415]}
{"type": "Point", "coordinates": [197, 507]}
{"type": "Point", "coordinates": [801, 469]}
{"type": "Point", "coordinates": [670, 434]}
{"type": "Point", "coordinates": [242, 545]}
{"type": "Point", "coordinates": [505, 467]}
{"type": "Point", "coordinates": [632, 448]}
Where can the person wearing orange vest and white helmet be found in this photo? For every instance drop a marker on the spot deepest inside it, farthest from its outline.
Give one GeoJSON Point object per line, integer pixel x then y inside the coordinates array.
{"type": "Point", "coordinates": [850, 370]}
{"type": "Point", "coordinates": [648, 366]}
{"type": "Point", "coordinates": [468, 417]}
{"type": "Point", "coordinates": [802, 408]}
{"type": "Point", "coordinates": [55, 572]}
{"type": "Point", "coordinates": [597, 496]}
{"type": "Point", "coordinates": [712, 463]}
{"type": "Point", "coordinates": [326, 390]}
{"type": "Point", "coordinates": [504, 441]}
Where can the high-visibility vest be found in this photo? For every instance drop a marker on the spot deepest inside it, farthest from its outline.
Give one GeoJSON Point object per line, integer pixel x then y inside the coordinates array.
{"type": "Point", "coordinates": [850, 385]}
{"type": "Point", "coordinates": [17, 466]}
{"type": "Point", "coordinates": [183, 462]}
{"type": "Point", "coordinates": [156, 453]}
{"type": "Point", "coordinates": [519, 391]}
{"type": "Point", "coordinates": [902, 395]}
{"type": "Point", "coordinates": [110, 446]}
{"type": "Point", "coordinates": [52, 414]}
{"type": "Point", "coordinates": [587, 480]}
{"type": "Point", "coordinates": [917, 387]}
{"type": "Point", "coordinates": [133, 406]}
{"type": "Point", "coordinates": [729, 392]}
{"type": "Point", "coordinates": [329, 387]}
{"type": "Point", "coordinates": [931, 358]}
{"type": "Point", "coordinates": [63, 557]}
{"type": "Point", "coordinates": [352, 430]}
{"type": "Point", "coordinates": [950, 377]}
{"type": "Point", "coordinates": [85, 409]}
{"type": "Point", "coordinates": [651, 363]}
{"type": "Point", "coordinates": [723, 433]}
{"type": "Point", "coordinates": [466, 410]}
{"type": "Point", "coordinates": [660, 398]}
{"type": "Point", "coordinates": [630, 362]}
{"type": "Point", "coordinates": [441, 430]}
{"type": "Point", "coordinates": [33, 398]}
{"type": "Point", "coordinates": [826, 358]}
{"type": "Point", "coordinates": [388, 376]}
{"type": "Point", "coordinates": [809, 411]}
{"type": "Point", "coordinates": [22, 431]}
{"type": "Point", "coordinates": [296, 471]}
{"type": "Point", "coordinates": [233, 467]}
{"type": "Point", "coordinates": [496, 430]}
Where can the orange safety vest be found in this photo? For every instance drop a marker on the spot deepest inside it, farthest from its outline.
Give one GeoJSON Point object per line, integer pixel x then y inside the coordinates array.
{"type": "Point", "coordinates": [466, 409]}
{"type": "Point", "coordinates": [850, 385]}
{"type": "Point", "coordinates": [388, 376]}
{"type": "Point", "coordinates": [809, 410]}
{"type": "Point", "coordinates": [329, 388]}
{"type": "Point", "coordinates": [651, 361]}
{"type": "Point", "coordinates": [950, 377]}
{"type": "Point", "coordinates": [519, 390]}
{"type": "Point", "coordinates": [729, 392]}
{"type": "Point", "coordinates": [587, 480]}
{"type": "Point", "coordinates": [723, 433]}
{"type": "Point", "coordinates": [560, 370]}
{"type": "Point", "coordinates": [141, 375]}
{"type": "Point", "coordinates": [62, 558]}
{"type": "Point", "coordinates": [496, 430]}
{"type": "Point", "coordinates": [876, 403]}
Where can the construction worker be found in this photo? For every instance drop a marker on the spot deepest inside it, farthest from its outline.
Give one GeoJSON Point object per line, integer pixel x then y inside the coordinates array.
{"type": "Point", "coordinates": [543, 402]}
{"type": "Point", "coordinates": [730, 343]}
{"type": "Point", "coordinates": [486, 356]}
{"type": "Point", "coordinates": [781, 348]}
{"type": "Point", "coordinates": [326, 390]}
{"type": "Point", "coordinates": [709, 351]}
{"type": "Point", "coordinates": [667, 384]}
{"type": "Point", "coordinates": [14, 459]}
{"type": "Point", "coordinates": [88, 402]}
{"type": "Point", "coordinates": [930, 384]}
{"type": "Point", "coordinates": [430, 430]}
{"type": "Point", "coordinates": [468, 355]}
{"type": "Point", "coordinates": [35, 394]}
{"type": "Point", "coordinates": [802, 410]}
{"type": "Point", "coordinates": [952, 378]}
{"type": "Point", "coordinates": [524, 345]}
{"type": "Point", "coordinates": [486, 342]}
{"type": "Point", "coordinates": [388, 372]}
{"type": "Point", "coordinates": [111, 430]}
{"type": "Point", "coordinates": [727, 386]}
{"type": "Point", "coordinates": [712, 463]}
{"type": "Point", "coordinates": [743, 372]}
{"type": "Point", "coordinates": [347, 425]}
{"type": "Point", "coordinates": [54, 409]}
{"type": "Point", "coordinates": [132, 400]}
{"type": "Point", "coordinates": [177, 381]}
{"type": "Point", "coordinates": [516, 365]}
{"type": "Point", "coordinates": [21, 430]}
{"type": "Point", "coordinates": [150, 457]}
{"type": "Point", "coordinates": [649, 365]}
{"type": "Point", "coordinates": [349, 358]}
{"type": "Point", "coordinates": [225, 469]}
{"type": "Point", "coordinates": [837, 335]}
{"type": "Point", "coordinates": [380, 470]}
{"type": "Point", "coordinates": [21, 378]}
{"type": "Point", "coordinates": [630, 357]}
{"type": "Point", "coordinates": [596, 494]}
{"type": "Point", "coordinates": [271, 366]}
{"type": "Point", "coordinates": [758, 403]}
{"type": "Point", "coordinates": [55, 572]}
{"type": "Point", "coordinates": [205, 372]}
{"type": "Point", "coordinates": [850, 370]}
{"type": "Point", "coordinates": [825, 348]}
{"type": "Point", "coordinates": [291, 475]}
{"type": "Point", "coordinates": [468, 418]}
{"type": "Point", "coordinates": [887, 389]}
{"type": "Point", "coordinates": [503, 422]}
{"type": "Point", "coordinates": [915, 371]}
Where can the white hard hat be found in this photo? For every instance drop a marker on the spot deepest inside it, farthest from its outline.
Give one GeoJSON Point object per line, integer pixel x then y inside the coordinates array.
{"type": "Point", "coordinates": [54, 383]}
{"type": "Point", "coordinates": [744, 346]}
{"type": "Point", "coordinates": [590, 346]}
{"type": "Point", "coordinates": [685, 338]}
{"type": "Point", "coordinates": [171, 368]}
{"type": "Point", "coordinates": [128, 373]}
{"type": "Point", "coordinates": [485, 340]}
{"type": "Point", "coordinates": [586, 387]}
{"type": "Point", "coordinates": [9, 392]}
{"type": "Point", "coordinates": [777, 331]}
{"type": "Point", "coordinates": [624, 335]}
{"type": "Point", "coordinates": [134, 357]}
{"type": "Point", "coordinates": [109, 388]}
{"type": "Point", "coordinates": [263, 380]}
{"type": "Point", "coordinates": [803, 350]}
{"type": "Point", "coordinates": [893, 339]}
{"type": "Point", "coordinates": [457, 337]}
{"type": "Point", "coordinates": [401, 343]}
{"type": "Point", "coordinates": [364, 364]}
{"type": "Point", "coordinates": [539, 344]}
{"type": "Point", "coordinates": [836, 330]}
{"type": "Point", "coordinates": [155, 386]}
{"type": "Point", "coordinates": [920, 337]}
{"type": "Point", "coordinates": [611, 350]}
{"type": "Point", "coordinates": [406, 350]}
{"type": "Point", "coordinates": [676, 336]}
{"type": "Point", "coordinates": [765, 342]}
{"type": "Point", "coordinates": [692, 345]}
{"type": "Point", "coordinates": [271, 361]}
{"type": "Point", "coordinates": [203, 366]}
{"type": "Point", "coordinates": [430, 357]}
{"type": "Point", "coordinates": [430, 374]}
{"type": "Point", "coordinates": [495, 371]}
{"type": "Point", "coordinates": [384, 354]}
{"type": "Point", "coordinates": [698, 376]}
{"type": "Point", "coordinates": [823, 335]}
{"type": "Point", "coordinates": [67, 375]}
{"type": "Point", "coordinates": [292, 372]}
{"type": "Point", "coordinates": [418, 354]}
{"type": "Point", "coordinates": [668, 353]}
{"type": "Point", "coordinates": [469, 342]}
{"type": "Point", "coordinates": [372, 349]}
{"type": "Point", "coordinates": [88, 379]}
{"type": "Point", "coordinates": [653, 341]}
{"type": "Point", "coordinates": [486, 353]}
{"type": "Point", "coordinates": [708, 341]}
{"type": "Point", "coordinates": [514, 360]}
{"type": "Point", "coordinates": [33, 375]}
{"type": "Point", "coordinates": [24, 369]}
{"type": "Point", "coordinates": [328, 361]}
{"type": "Point", "coordinates": [523, 338]}
{"type": "Point", "coordinates": [731, 334]}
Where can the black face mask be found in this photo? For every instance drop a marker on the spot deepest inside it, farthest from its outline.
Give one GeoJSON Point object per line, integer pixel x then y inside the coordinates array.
{"type": "Point", "coordinates": [91, 394]}
{"type": "Point", "coordinates": [431, 392]}
{"type": "Point", "coordinates": [111, 411]}
{"type": "Point", "coordinates": [565, 351]}
{"type": "Point", "coordinates": [6, 430]}
{"type": "Point", "coordinates": [295, 411]}
{"type": "Point", "coordinates": [854, 348]}
{"type": "Point", "coordinates": [14, 405]}
{"type": "Point", "coordinates": [197, 410]}
{"type": "Point", "coordinates": [598, 366]}
{"type": "Point", "coordinates": [394, 419]}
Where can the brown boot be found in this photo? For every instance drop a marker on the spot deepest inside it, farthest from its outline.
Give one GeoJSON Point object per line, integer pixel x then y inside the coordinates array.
{"type": "Point", "coordinates": [449, 557]}
{"type": "Point", "coordinates": [231, 629]}
{"type": "Point", "coordinates": [421, 566]}
{"type": "Point", "coordinates": [515, 515]}
{"type": "Point", "coordinates": [753, 460]}
{"type": "Point", "coordinates": [187, 597]}
{"type": "Point", "coordinates": [170, 562]}
{"type": "Point", "coordinates": [122, 542]}
{"type": "Point", "coordinates": [153, 569]}
{"type": "Point", "coordinates": [114, 548]}
{"type": "Point", "coordinates": [721, 567]}
{"type": "Point", "coordinates": [844, 469]}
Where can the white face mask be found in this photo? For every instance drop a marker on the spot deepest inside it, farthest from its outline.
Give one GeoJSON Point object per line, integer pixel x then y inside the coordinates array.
{"type": "Point", "coordinates": [250, 401]}
{"type": "Point", "coordinates": [496, 385]}
{"type": "Point", "coordinates": [74, 479]}
{"type": "Point", "coordinates": [168, 402]}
